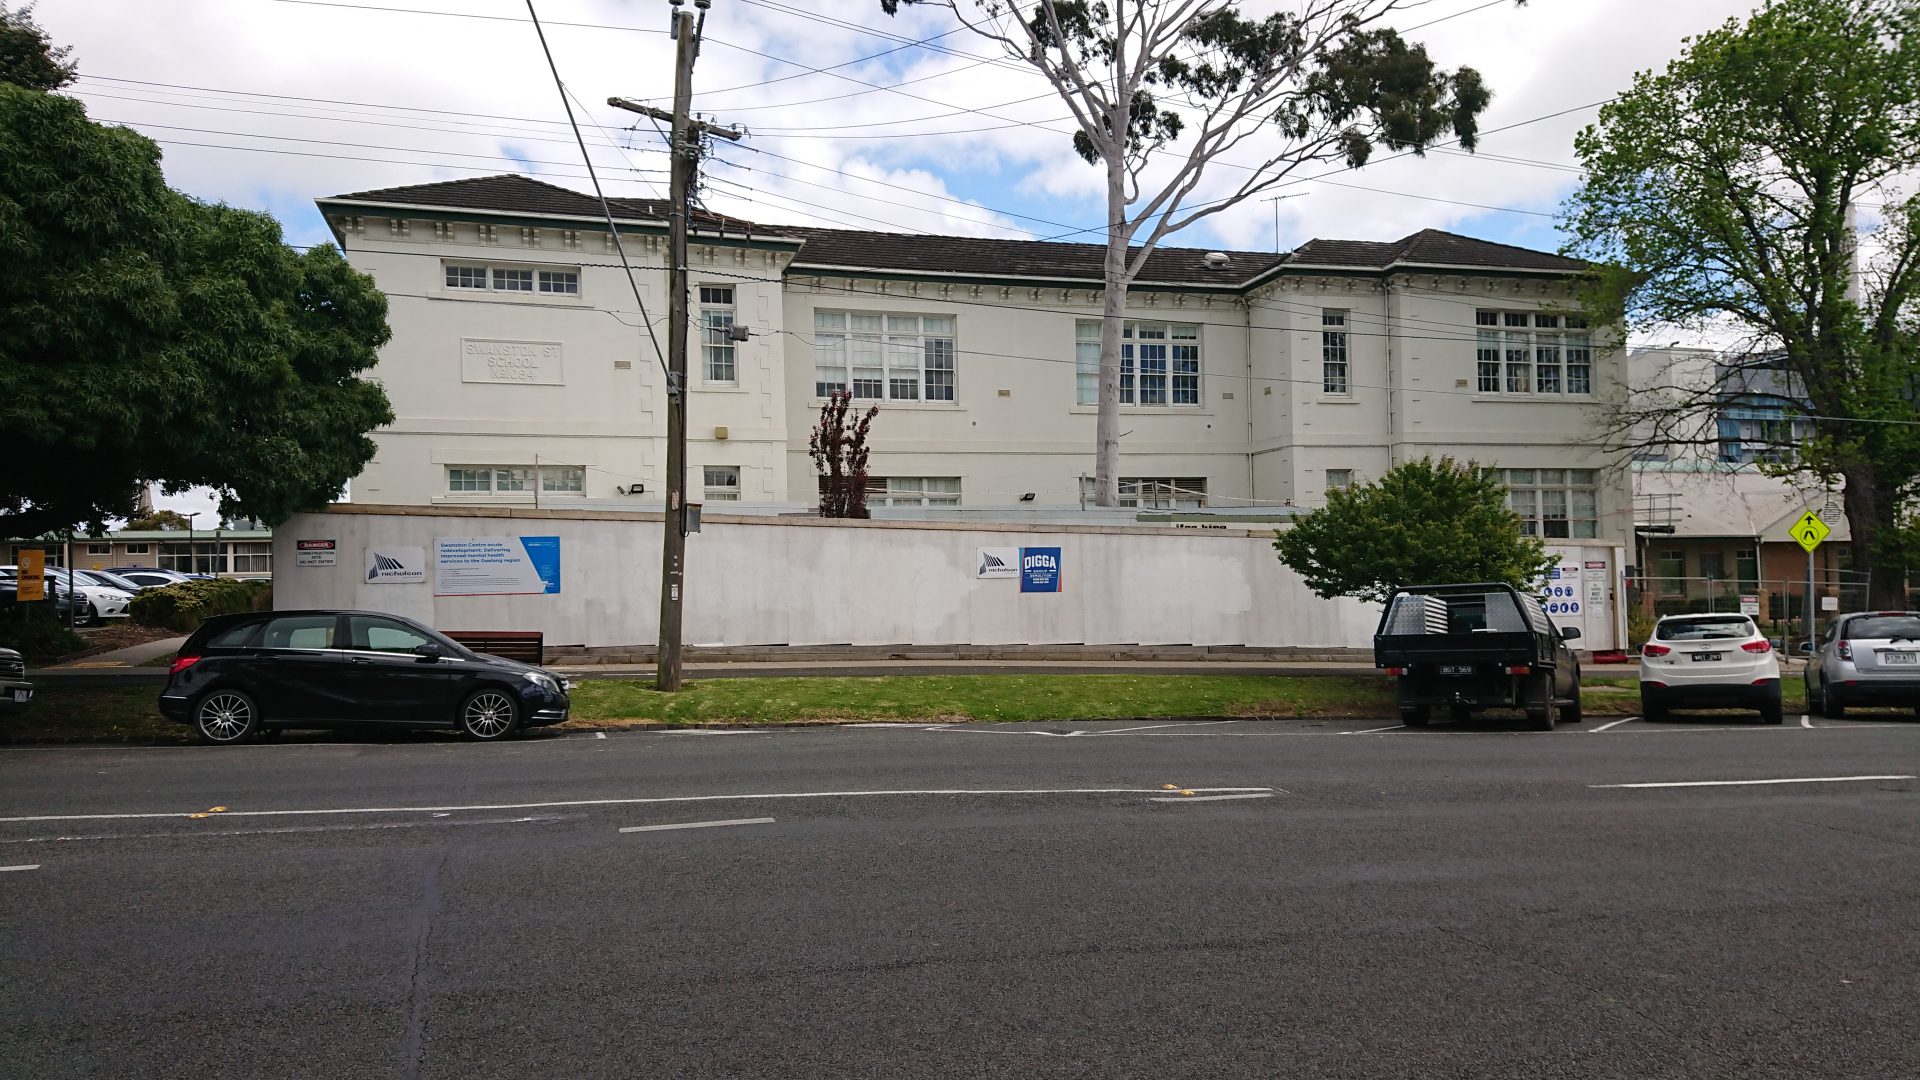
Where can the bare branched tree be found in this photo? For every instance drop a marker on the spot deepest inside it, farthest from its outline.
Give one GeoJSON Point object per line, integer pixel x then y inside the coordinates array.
{"type": "Point", "coordinates": [1161, 89]}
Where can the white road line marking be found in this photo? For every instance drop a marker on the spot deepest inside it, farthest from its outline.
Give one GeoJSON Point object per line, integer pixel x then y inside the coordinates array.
{"type": "Point", "coordinates": [699, 824]}
{"type": "Point", "coordinates": [1149, 727]}
{"type": "Point", "coordinates": [24, 866]}
{"type": "Point", "coordinates": [1374, 731]}
{"type": "Point", "coordinates": [1212, 798]}
{"type": "Point", "coordinates": [599, 734]}
{"type": "Point", "coordinates": [1615, 724]}
{"type": "Point", "coordinates": [1750, 783]}
{"type": "Point", "coordinates": [660, 800]}
{"type": "Point", "coordinates": [198, 834]}
{"type": "Point", "coordinates": [1806, 721]}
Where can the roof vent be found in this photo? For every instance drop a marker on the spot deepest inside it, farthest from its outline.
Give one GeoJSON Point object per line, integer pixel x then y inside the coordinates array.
{"type": "Point", "coordinates": [1216, 260]}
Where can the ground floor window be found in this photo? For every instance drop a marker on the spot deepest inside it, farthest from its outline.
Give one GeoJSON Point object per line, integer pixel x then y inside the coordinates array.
{"type": "Point", "coordinates": [722, 483]}
{"type": "Point", "coordinates": [1155, 492]}
{"type": "Point", "coordinates": [1554, 503]}
{"type": "Point", "coordinates": [910, 490]}
{"type": "Point", "coordinates": [252, 557]}
{"type": "Point", "coordinates": [192, 557]}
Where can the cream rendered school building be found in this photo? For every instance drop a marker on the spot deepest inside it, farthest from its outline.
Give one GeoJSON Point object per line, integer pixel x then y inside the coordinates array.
{"type": "Point", "coordinates": [521, 372]}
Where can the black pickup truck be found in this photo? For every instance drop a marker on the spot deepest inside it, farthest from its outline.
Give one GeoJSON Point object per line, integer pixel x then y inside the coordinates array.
{"type": "Point", "coordinates": [1477, 646]}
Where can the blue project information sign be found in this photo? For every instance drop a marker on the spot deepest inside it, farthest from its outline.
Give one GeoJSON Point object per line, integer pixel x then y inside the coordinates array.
{"type": "Point", "coordinates": [1039, 569]}
{"type": "Point", "coordinates": [496, 565]}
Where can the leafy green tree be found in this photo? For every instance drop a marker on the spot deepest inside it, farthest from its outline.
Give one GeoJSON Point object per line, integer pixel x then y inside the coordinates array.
{"type": "Point", "coordinates": [1425, 522]}
{"type": "Point", "coordinates": [1161, 89]}
{"type": "Point", "coordinates": [1722, 194]}
{"type": "Point", "coordinates": [27, 55]}
{"type": "Point", "coordinates": [145, 337]}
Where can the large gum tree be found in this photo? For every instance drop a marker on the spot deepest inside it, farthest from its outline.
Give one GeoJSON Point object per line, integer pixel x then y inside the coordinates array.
{"type": "Point", "coordinates": [1162, 90]}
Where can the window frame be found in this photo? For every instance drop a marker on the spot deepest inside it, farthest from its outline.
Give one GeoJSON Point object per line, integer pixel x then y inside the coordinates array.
{"type": "Point", "coordinates": [1175, 351]}
{"type": "Point", "coordinates": [515, 481]}
{"type": "Point", "coordinates": [1532, 353]}
{"type": "Point", "coordinates": [542, 280]}
{"type": "Point", "coordinates": [727, 489]}
{"type": "Point", "coordinates": [1548, 495]}
{"type": "Point", "coordinates": [913, 491]}
{"type": "Point", "coordinates": [1336, 357]}
{"type": "Point", "coordinates": [868, 350]}
{"type": "Point", "coordinates": [716, 319]}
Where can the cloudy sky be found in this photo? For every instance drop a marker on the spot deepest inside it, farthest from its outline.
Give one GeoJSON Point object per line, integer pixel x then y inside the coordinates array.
{"type": "Point", "coordinates": [856, 120]}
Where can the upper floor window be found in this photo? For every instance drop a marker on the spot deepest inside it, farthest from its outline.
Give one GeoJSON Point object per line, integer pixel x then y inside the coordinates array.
{"type": "Point", "coordinates": [884, 357]}
{"type": "Point", "coordinates": [514, 479]}
{"type": "Point", "coordinates": [512, 279]}
{"type": "Point", "coordinates": [716, 318]}
{"type": "Point", "coordinates": [1159, 363]}
{"type": "Point", "coordinates": [1339, 478]}
{"type": "Point", "coordinates": [1532, 352]}
{"type": "Point", "coordinates": [1554, 503]}
{"type": "Point", "coordinates": [1333, 354]}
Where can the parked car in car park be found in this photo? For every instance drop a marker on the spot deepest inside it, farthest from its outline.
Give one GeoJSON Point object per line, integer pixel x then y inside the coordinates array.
{"type": "Point", "coordinates": [112, 580]}
{"type": "Point", "coordinates": [1709, 662]}
{"type": "Point", "coordinates": [241, 677]}
{"type": "Point", "coordinates": [150, 577]}
{"type": "Point", "coordinates": [94, 603]}
{"type": "Point", "coordinates": [1866, 658]}
{"type": "Point", "coordinates": [1477, 646]}
{"type": "Point", "coordinates": [15, 691]}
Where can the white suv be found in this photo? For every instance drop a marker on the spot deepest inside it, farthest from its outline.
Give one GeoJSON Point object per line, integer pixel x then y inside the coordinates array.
{"type": "Point", "coordinates": [1709, 662]}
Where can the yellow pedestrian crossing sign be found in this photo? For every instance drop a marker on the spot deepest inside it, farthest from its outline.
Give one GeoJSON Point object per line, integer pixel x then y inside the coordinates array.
{"type": "Point", "coordinates": [1810, 530]}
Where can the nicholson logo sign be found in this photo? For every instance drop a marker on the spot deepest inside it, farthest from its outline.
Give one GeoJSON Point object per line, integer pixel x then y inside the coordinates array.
{"type": "Point", "coordinates": [997, 563]}
{"type": "Point", "coordinates": [396, 565]}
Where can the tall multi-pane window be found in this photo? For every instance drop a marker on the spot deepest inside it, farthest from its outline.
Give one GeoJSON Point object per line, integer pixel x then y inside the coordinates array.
{"type": "Point", "coordinates": [1333, 354]}
{"type": "Point", "coordinates": [1554, 503]}
{"type": "Point", "coordinates": [1746, 567]}
{"type": "Point", "coordinates": [1086, 362]}
{"type": "Point", "coordinates": [1532, 352]}
{"type": "Point", "coordinates": [1159, 363]}
{"type": "Point", "coordinates": [722, 483]}
{"type": "Point", "coordinates": [716, 319]}
{"type": "Point", "coordinates": [884, 357]}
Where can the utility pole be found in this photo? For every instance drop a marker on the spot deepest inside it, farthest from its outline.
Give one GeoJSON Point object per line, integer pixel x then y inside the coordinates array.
{"type": "Point", "coordinates": [685, 147]}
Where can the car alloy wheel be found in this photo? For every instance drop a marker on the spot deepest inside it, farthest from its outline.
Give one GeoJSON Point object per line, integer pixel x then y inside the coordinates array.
{"type": "Point", "coordinates": [490, 714]}
{"type": "Point", "coordinates": [225, 717]}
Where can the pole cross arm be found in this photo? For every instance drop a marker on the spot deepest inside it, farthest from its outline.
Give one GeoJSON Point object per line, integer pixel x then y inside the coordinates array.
{"type": "Point", "coordinates": [697, 127]}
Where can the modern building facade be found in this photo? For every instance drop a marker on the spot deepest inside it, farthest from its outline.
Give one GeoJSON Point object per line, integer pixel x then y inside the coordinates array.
{"type": "Point", "coordinates": [522, 371]}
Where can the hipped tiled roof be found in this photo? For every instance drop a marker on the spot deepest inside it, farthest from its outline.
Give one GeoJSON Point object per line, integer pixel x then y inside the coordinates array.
{"type": "Point", "coordinates": [985, 257]}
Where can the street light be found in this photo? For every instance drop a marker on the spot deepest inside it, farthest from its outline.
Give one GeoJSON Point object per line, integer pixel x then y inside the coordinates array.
{"type": "Point", "coordinates": [191, 559]}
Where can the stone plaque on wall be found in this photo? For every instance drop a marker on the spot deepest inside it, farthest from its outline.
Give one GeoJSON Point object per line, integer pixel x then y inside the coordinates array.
{"type": "Point", "coordinates": [528, 363]}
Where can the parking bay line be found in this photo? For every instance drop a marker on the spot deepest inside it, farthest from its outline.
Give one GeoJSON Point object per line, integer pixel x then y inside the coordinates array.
{"type": "Point", "coordinates": [1756, 783]}
{"type": "Point", "coordinates": [651, 801]}
{"type": "Point", "coordinates": [698, 824]}
{"type": "Point", "coordinates": [1615, 724]}
{"type": "Point", "coordinates": [25, 866]}
{"type": "Point", "coordinates": [1212, 798]}
{"type": "Point", "coordinates": [1375, 731]}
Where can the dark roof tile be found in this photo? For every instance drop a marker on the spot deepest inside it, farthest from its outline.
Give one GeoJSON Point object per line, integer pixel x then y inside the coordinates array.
{"type": "Point", "coordinates": [980, 256]}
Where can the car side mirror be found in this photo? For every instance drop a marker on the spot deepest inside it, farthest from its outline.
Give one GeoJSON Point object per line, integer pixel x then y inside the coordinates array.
{"type": "Point", "coordinates": [1569, 633]}
{"type": "Point", "coordinates": [1806, 647]}
{"type": "Point", "coordinates": [428, 652]}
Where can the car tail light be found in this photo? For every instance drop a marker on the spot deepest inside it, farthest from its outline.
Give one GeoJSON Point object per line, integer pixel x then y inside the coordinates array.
{"type": "Point", "coordinates": [1654, 650]}
{"type": "Point", "coordinates": [1396, 671]}
{"type": "Point", "coordinates": [1758, 646]}
{"type": "Point", "coordinates": [1520, 669]}
{"type": "Point", "coordinates": [182, 663]}
{"type": "Point", "coordinates": [1845, 650]}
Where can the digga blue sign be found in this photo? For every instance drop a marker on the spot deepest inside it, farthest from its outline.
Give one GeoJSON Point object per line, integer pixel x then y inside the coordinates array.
{"type": "Point", "coordinates": [1040, 569]}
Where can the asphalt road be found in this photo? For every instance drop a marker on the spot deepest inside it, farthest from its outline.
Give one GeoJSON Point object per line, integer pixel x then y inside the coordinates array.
{"type": "Point", "coordinates": [971, 902]}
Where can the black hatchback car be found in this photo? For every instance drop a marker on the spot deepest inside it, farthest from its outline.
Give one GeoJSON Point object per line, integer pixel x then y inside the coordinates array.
{"type": "Point", "coordinates": [241, 677]}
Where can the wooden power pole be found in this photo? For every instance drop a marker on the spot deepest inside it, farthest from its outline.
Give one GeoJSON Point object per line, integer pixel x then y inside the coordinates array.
{"type": "Point", "coordinates": [686, 141]}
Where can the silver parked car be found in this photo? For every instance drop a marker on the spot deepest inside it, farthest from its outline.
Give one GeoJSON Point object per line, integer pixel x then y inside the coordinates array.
{"type": "Point", "coordinates": [1866, 658]}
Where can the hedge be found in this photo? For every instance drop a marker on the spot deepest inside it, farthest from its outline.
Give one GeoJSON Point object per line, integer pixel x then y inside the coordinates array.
{"type": "Point", "coordinates": [36, 632]}
{"type": "Point", "coordinates": [186, 605]}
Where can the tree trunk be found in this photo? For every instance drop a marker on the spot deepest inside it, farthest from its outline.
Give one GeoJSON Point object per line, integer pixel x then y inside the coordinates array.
{"type": "Point", "coordinates": [1871, 515]}
{"type": "Point", "coordinates": [1106, 456]}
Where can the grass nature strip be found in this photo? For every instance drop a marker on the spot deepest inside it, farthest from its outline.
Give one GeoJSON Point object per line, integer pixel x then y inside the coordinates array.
{"type": "Point", "coordinates": [118, 714]}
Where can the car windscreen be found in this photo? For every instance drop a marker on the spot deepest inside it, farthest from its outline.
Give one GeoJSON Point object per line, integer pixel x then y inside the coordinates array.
{"type": "Point", "coordinates": [1885, 628]}
{"type": "Point", "coordinates": [1706, 628]}
{"type": "Point", "coordinates": [116, 581]}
